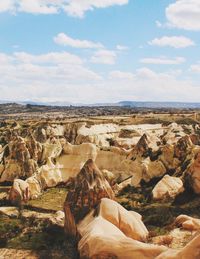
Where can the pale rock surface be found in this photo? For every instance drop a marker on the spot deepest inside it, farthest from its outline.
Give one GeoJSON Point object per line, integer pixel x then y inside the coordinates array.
{"type": "Point", "coordinates": [51, 150]}
{"type": "Point", "coordinates": [35, 186]}
{"type": "Point", "coordinates": [188, 223]}
{"type": "Point", "coordinates": [19, 191]}
{"type": "Point", "coordinates": [152, 169]}
{"type": "Point", "coordinates": [129, 223]}
{"type": "Point", "coordinates": [97, 134]}
{"type": "Point", "coordinates": [167, 157]}
{"type": "Point", "coordinates": [50, 174]}
{"type": "Point", "coordinates": [110, 177]}
{"type": "Point", "coordinates": [118, 187]}
{"type": "Point", "coordinates": [114, 162]}
{"type": "Point", "coordinates": [88, 150]}
{"type": "Point", "coordinates": [55, 130]}
{"type": "Point", "coordinates": [73, 159]}
{"type": "Point", "coordinates": [193, 173]}
{"type": "Point", "coordinates": [172, 133]}
{"type": "Point", "coordinates": [9, 211]}
{"type": "Point", "coordinates": [102, 239]}
{"type": "Point", "coordinates": [167, 187]}
{"type": "Point", "coordinates": [12, 170]}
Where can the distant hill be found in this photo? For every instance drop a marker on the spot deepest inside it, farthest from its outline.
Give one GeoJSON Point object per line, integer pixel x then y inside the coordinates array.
{"type": "Point", "coordinates": [159, 104]}
{"type": "Point", "coordinates": [132, 104]}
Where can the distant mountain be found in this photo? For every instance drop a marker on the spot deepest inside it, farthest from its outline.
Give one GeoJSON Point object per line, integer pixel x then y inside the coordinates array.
{"type": "Point", "coordinates": [159, 104]}
{"type": "Point", "coordinates": [132, 104]}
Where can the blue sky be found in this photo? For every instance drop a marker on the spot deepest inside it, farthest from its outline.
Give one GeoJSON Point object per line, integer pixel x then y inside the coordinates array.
{"type": "Point", "coordinates": [100, 50]}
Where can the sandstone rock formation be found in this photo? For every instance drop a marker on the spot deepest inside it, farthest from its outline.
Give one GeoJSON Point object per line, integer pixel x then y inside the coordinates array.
{"type": "Point", "coordinates": [87, 190]}
{"type": "Point", "coordinates": [19, 191]}
{"type": "Point", "coordinates": [188, 223]}
{"type": "Point", "coordinates": [129, 222]}
{"type": "Point", "coordinates": [22, 159]}
{"type": "Point", "coordinates": [113, 232]}
{"type": "Point", "coordinates": [168, 187]}
{"type": "Point", "coordinates": [192, 175]}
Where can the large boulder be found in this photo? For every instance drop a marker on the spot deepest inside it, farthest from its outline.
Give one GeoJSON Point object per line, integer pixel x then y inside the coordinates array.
{"type": "Point", "coordinates": [19, 191]}
{"type": "Point", "coordinates": [129, 222]}
{"type": "Point", "coordinates": [100, 238]}
{"type": "Point", "coordinates": [167, 187]}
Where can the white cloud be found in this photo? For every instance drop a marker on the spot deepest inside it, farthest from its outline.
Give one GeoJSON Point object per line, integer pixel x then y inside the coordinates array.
{"type": "Point", "coordinates": [174, 41]}
{"type": "Point", "coordinates": [37, 6]}
{"type": "Point", "coordinates": [195, 68]}
{"type": "Point", "coordinates": [71, 7]}
{"type": "Point", "coordinates": [148, 85]}
{"type": "Point", "coordinates": [6, 5]}
{"type": "Point", "coordinates": [163, 61]}
{"type": "Point", "coordinates": [121, 75]}
{"type": "Point", "coordinates": [122, 47]}
{"type": "Point", "coordinates": [25, 76]}
{"type": "Point", "coordinates": [184, 14]}
{"type": "Point", "coordinates": [65, 40]}
{"type": "Point", "coordinates": [79, 7]}
{"type": "Point", "coordinates": [49, 58]}
{"type": "Point", "coordinates": [62, 77]}
{"type": "Point", "coordinates": [104, 57]}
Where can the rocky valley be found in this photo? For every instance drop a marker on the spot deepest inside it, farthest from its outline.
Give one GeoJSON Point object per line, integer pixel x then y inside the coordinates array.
{"type": "Point", "coordinates": [103, 182]}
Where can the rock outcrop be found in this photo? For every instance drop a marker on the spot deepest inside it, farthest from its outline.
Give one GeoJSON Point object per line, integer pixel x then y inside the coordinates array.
{"type": "Point", "coordinates": [188, 223]}
{"type": "Point", "coordinates": [19, 162]}
{"type": "Point", "coordinates": [192, 176]}
{"type": "Point", "coordinates": [112, 232]}
{"type": "Point", "coordinates": [167, 187]}
{"type": "Point", "coordinates": [87, 190]}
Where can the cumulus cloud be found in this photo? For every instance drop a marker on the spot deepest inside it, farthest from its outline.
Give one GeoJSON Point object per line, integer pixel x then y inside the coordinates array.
{"type": "Point", "coordinates": [75, 8]}
{"type": "Point", "coordinates": [65, 40]}
{"type": "Point", "coordinates": [184, 14]}
{"type": "Point", "coordinates": [104, 57]}
{"type": "Point", "coordinates": [163, 61]}
{"type": "Point", "coordinates": [174, 41]}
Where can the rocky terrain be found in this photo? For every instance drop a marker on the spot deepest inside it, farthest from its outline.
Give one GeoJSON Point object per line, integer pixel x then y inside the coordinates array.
{"type": "Point", "coordinates": [95, 185]}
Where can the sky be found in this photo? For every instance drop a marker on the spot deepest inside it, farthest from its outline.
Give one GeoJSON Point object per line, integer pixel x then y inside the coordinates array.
{"type": "Point", "coordinates": [100, 51]}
